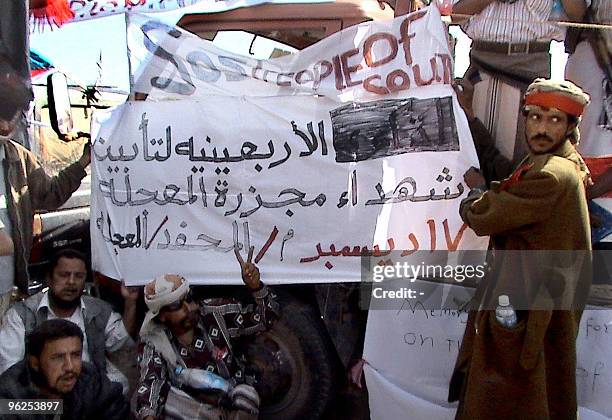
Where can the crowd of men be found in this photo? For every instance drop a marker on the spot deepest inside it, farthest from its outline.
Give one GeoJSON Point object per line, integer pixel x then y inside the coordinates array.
{"type": "Point", "coordinates": [55, 345]}
{"type": "Point", "coordinates": [530, 195]}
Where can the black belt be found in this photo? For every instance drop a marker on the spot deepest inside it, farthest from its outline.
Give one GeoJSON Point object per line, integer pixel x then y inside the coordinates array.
{"type": "Point", "coordinates": [509, 48]}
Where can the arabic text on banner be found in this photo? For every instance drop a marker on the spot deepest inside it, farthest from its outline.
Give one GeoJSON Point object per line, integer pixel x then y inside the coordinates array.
{"type": "Point", "coordinates": [314, 168]}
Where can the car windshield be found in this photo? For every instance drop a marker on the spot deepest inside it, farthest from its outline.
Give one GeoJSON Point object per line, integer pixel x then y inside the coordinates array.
{"type": "Point", "coordinates": [264, 44]}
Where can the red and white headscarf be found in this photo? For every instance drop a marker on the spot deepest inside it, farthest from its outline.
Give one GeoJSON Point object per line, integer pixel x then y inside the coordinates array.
{"type": "Point", "coordinates": [562, 95]}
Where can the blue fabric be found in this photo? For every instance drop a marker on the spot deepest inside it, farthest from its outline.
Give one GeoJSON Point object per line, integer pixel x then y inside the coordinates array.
{"type": "Point", "coordinates": [604, 219]}
{"type": "Point", "coordinates": [38, 62]}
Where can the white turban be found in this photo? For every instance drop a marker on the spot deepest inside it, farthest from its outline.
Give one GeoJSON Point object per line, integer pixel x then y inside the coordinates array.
{"type": "Point", "coordinates": [165, 294]}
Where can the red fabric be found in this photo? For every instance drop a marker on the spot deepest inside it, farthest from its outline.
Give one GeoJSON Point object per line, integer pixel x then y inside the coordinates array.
{"type": "Point", "coordinates": [445, 7]}
{"type": "Point", "coordinates": [54, 12]}
{"type": "Point", "coordinates": [516, 175]}
{"type": "Point", "coordinates": [555, 100]}
{"type": "Point", "coordinates": [597, 166]}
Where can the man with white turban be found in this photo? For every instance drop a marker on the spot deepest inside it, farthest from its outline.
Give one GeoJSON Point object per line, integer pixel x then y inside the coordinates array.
{"type": "Point", "coordinates": [189, 367]}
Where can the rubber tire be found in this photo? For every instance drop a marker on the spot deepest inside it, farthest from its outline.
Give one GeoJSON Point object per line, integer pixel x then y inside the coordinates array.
{"type": "Point", "coordinates": [302, 334]}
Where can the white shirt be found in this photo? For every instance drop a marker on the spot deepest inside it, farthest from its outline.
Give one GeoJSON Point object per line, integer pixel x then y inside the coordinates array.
{"type": "Point", "coordinates": [12, 337]}
{"type": "Point", "coordinates": [514, 22]}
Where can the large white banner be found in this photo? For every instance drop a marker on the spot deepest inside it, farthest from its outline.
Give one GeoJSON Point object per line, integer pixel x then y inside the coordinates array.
{"type": "Point", "coordinates": [353, 147]}
{"type": "Point", "coordinates": [411, 372]}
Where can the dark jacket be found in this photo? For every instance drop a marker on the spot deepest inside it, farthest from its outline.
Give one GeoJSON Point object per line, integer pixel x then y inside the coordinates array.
{"type": "Point", "coordinates": [29, 188]}
{"type": "Point", "coordinates": [493, 165]}
{"type": "Point", "coordinates": [93, 397]}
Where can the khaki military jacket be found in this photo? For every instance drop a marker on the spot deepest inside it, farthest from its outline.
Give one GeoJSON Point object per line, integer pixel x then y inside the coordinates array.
{"type": "Point", "coordinates": [527, 372]}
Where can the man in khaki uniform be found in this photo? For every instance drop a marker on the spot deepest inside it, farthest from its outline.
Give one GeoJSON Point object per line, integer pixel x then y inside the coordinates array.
{"type": "Point", "coordinates": [538, 222]}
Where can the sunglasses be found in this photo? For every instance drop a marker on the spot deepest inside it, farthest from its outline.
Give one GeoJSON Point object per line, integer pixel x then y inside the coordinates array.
{"type": "Point", "coordinates": [175, 306]}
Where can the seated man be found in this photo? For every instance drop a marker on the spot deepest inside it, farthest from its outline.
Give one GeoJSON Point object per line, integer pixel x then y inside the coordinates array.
{"type": "Point", "coordinates": [184, 340]}
{"type": "Point", "coordinates": [104, 329]}
{"type": "Point", "coordinates": [54, 369]}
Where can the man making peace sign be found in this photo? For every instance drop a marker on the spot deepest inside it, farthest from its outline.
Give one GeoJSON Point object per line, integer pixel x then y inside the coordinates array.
{"type": "Point", "coordinates": [189, 366]}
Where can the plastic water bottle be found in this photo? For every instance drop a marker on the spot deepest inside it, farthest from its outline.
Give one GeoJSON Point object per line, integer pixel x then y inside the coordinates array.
{"type": "Point", "coordinates": [505, 313]}
{"type": "Point", "coordinates": [201, 379]}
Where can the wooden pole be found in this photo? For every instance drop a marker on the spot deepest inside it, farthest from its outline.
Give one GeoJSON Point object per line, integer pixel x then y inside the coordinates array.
{"type": "Point", "coordinates": [403, 7]}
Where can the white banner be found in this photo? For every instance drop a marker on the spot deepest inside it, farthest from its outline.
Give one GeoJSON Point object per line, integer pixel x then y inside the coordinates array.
{"type": "Point", "coordinates": [91, 9]}
{"type": "Point", "coordinates": [411, 372]}
{"type": "Point", "coordinates": [406, 56]}
{"type": "Point", "coordinates": [312, 181]}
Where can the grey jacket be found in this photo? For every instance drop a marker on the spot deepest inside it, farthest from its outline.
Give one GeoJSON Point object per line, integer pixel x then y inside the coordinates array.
{"type": "Point", "coordinates": [96, 317]}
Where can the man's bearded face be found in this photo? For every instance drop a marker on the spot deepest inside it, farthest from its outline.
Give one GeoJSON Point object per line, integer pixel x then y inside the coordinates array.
{"type": "Point", "coordinates": [67, 282]}
{"type": "Point", "coordinates": [59, 364]}
{"type": "Point", "coordinates": [546, 129]}
{"type": "Point", "coordinates": [181, 315]}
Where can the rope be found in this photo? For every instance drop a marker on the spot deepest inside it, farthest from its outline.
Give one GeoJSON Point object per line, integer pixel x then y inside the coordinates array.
{"type": "Point", "coordinates": [600, 26]}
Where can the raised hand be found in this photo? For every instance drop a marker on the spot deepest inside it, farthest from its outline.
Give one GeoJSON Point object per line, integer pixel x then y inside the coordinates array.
{"type": "Point", "coordinates": [129, 293]}
{"type": "Point", "coordinates": [474, 179]}
{"type": "Point", "coordinates": [85, 158]}
{"type": "Point", "coordinates": [250, 272]}
{"type": "Point", "coordinates": [465, 95]}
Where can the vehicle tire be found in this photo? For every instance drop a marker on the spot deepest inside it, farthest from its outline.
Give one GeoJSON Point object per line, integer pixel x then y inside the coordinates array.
{"type": "Point", "coordinates": [295, 363]}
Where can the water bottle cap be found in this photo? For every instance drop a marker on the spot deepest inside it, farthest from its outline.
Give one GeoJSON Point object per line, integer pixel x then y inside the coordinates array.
{"type": "Point", "coordinates": [504, 300]}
